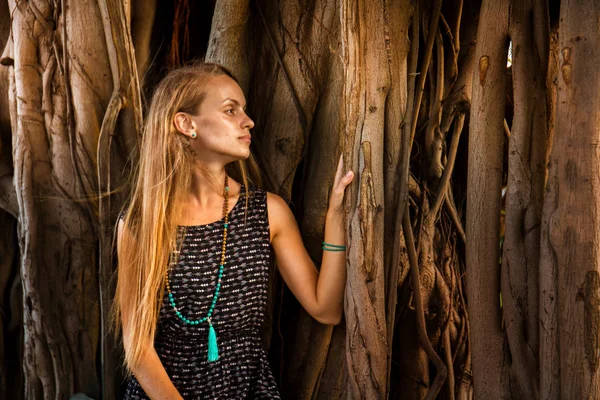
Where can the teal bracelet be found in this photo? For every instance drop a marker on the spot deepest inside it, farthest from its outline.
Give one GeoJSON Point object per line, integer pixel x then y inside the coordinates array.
{"type": "Point", "coordinates": [326, 249]}
{"type": "Point", "coordinates": [333, 247]}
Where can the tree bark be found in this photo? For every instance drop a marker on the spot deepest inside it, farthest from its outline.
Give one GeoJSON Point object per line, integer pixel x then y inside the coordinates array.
{"type": "Point", "coordinates": [484, 187]}
{"type": "Point", "coordinates": [574, 225]}
{"type": "Point", "coordinates": [363, 104]}
{"type": "Point", "coordinates": [549, 342]}
{"type": "Point", "coordinates": [60, 97]}
{"type": "Point", "coordinates": [143, 14]}
{"type": "Point", "coordinates": [398, 18]}
{"type": "Point", "coordinates": [123, 115]}
{"type": "Point", "coordinates": [527, 158]}
{"type": "Point", "coordinates": [52, 370]}
{"type": "Point", "coordinates": [229, 43]}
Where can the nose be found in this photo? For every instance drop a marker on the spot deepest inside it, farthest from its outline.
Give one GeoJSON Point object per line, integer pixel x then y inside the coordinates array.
{"type": "Point", "coordinates": [248, 123]}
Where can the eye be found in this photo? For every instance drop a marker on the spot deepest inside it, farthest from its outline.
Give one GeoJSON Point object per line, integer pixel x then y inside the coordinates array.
{"type": "Point", "coordinates": [229, 109]}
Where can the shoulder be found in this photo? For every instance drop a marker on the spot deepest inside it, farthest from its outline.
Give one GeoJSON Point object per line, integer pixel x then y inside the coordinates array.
{"type": "Point", "coordinates": [276, 204]}
{"type": "Point", "coordinates": [280, 214]}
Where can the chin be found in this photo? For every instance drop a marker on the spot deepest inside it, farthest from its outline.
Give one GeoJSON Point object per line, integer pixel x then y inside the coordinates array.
{"type": "Point", "coordinates": [242, 155]}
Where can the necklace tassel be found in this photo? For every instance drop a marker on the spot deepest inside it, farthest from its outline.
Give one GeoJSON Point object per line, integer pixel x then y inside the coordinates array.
{"type": "Point", "coordinates": [213, 349]}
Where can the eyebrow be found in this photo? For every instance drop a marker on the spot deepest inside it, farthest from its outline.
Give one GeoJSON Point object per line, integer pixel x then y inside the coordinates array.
{"type": "Point", "coordinates": [235, 102]}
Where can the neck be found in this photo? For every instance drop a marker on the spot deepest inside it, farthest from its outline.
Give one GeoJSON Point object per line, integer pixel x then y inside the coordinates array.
{"type": "Point", "coordinates": [207, 185]}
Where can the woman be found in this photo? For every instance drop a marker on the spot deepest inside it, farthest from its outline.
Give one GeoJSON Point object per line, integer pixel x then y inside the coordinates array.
{"type": "Point", "coordinates": [194, 247]}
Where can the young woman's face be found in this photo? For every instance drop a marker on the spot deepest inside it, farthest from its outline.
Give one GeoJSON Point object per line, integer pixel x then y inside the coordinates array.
{"type": "Point", "coordinates": [222, 125]}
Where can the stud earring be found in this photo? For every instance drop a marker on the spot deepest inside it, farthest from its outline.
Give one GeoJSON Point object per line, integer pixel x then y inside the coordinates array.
{"type": "Point", "coordinates": [194, 135]}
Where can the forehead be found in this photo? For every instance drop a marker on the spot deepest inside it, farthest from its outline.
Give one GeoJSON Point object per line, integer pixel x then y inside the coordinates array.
{"type": "Point", "coordinates": [222, 87]}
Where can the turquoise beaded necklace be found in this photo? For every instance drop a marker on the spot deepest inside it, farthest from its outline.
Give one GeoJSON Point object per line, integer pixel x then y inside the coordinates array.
{"type": "Point", "coordinates": [213, 350]}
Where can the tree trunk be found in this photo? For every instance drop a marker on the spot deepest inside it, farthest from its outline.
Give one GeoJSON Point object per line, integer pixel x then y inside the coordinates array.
{"type": "Point", "coordinates": [574, 227]}
{"type": "Point", "coordinates": [363, 107]}
{"type": "Point", "coordinates": [527, 158]}
{"type": "Point", "coordinates": [62, 156]}
{"type": "Point", "coordinates": [483, 202]}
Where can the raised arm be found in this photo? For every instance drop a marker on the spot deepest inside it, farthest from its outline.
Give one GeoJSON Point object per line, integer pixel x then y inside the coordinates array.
{"type": "Point", "coordinates": [320, 293]}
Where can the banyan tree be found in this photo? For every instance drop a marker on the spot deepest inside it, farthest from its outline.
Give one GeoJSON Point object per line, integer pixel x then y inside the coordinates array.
{"type": "Point", "coordinates": [472, 127]}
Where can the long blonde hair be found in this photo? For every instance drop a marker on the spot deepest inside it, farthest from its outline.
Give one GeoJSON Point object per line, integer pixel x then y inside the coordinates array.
{"type": "Point", "coordinates": [160, 184]}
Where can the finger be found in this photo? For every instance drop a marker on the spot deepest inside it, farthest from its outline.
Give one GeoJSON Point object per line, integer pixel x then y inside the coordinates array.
{"type": "Point", "coordinates": [338, 173]}
{"type": "Point", "coordinates": [345, 181]}
{"type": "Point", "coordinates": [348, 178]}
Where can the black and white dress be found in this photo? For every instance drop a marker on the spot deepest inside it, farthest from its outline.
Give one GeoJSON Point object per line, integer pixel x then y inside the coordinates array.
{"type": "Point", "coordinates": [242, 370]}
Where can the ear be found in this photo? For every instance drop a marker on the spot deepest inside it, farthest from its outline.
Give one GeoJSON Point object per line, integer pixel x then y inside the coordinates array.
{"type": "Point", "coordinates": [184, 124]}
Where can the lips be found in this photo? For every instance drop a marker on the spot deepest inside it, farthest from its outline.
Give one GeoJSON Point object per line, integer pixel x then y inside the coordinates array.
{"type": "Point", "coordinates": [246, 138]}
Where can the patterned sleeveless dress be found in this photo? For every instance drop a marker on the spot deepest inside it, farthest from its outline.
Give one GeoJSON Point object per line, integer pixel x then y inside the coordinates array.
{"type": "Point", "coordinates": [242, 370]}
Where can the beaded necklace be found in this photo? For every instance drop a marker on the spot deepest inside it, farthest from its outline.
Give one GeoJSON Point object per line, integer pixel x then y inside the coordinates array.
{"type": "Point", "coordinates": [213, 350]}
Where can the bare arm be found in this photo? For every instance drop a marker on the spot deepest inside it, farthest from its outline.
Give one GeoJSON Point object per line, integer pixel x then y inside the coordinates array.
{"type": "Point", "coordinates": [320, 293]}
{"type": "Point", "coordinates": [149, 372]}
{"type": "Point", "coordinates": [153, 378]}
